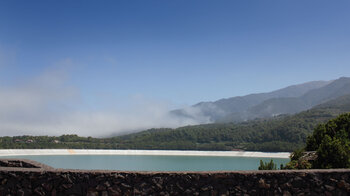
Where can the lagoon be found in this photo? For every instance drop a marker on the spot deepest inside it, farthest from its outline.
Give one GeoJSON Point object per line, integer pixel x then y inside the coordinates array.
{"type": "Point", "coordinates": [148, 160]}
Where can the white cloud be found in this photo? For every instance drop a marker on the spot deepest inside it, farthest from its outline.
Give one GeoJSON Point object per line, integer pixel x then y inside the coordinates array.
{"type": "Point", "coordinates": [49, 105]}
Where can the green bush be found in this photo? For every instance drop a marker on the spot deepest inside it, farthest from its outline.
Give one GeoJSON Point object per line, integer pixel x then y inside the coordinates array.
{"type": "Point", "coordinates": [331, 141]}
{"type": "Point", "coordinates": [267, 165]}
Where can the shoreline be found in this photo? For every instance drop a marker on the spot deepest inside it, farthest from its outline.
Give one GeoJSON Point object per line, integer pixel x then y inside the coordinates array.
{"type": "Point", "coordinates": [29, 152]}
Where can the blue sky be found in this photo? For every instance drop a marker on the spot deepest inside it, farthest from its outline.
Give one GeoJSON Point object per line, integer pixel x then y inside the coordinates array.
{"type": "Point", "coordinates": [110, 53]}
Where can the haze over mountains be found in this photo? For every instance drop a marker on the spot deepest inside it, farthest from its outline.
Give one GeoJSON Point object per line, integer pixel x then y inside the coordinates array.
{"type": "Point", "coordinates": [281, 133]}
{"type": "Point", "coordinates": [289, 100]}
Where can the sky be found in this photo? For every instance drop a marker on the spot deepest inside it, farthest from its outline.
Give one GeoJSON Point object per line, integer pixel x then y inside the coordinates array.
{"type": "Point", "coordinates": [108, 67]}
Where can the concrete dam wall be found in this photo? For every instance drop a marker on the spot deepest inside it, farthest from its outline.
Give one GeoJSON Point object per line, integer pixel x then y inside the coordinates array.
{"type": "Point", "coordinates": [20, 152]}
{"type": "Point", "coordinates": [24, 177]}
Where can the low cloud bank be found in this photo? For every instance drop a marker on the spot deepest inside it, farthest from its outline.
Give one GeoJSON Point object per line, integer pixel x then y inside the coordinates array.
{"type": "Point", "coordinates": [49, 105]}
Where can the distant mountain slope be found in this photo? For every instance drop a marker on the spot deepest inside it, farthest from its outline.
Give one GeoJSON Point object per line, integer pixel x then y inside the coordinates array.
{"type": "Point", "coordinates": [276, 106]}
{"type": "Point", "coordinates": [290, 100]}
{"type": "Point", "coordinates": [281, 133]}
{"type": "Point", "coordinates": [333, 90]}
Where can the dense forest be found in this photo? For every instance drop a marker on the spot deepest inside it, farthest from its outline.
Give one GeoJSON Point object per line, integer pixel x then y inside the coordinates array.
{"type": "Point", "coordinates": [326, 148]}
{"type": "Point", "coordinates": [281, 133]}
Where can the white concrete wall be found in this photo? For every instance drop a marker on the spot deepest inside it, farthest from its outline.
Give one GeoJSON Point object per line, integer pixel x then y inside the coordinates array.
{"type": "Point", "coordinates": [20, 152]}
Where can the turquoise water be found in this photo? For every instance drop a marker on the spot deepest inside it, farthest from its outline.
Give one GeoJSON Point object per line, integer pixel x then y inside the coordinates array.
{"type": "Point", "coordinates": [151, 163]}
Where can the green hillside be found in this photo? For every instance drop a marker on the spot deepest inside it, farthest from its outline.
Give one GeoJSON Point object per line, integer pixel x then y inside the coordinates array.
{"type": "Point", "coordinates": [281, 133]}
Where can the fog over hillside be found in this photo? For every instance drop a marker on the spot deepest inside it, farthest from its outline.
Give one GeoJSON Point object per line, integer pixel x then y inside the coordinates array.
{"type": "Point", "coordinates": [48, 105]}
{"type": "Point", "coordinates": [288, 100]}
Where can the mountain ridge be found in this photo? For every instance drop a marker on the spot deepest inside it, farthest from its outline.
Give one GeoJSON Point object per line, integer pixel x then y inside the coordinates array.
{"type": "Point", "coordinates": [281, 133]}
{"type": "Point", "coordinates": [288, 100]}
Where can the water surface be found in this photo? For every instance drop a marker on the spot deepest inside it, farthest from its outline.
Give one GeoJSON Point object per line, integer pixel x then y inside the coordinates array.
{"type": "Point", "coordinates": [151, 162]}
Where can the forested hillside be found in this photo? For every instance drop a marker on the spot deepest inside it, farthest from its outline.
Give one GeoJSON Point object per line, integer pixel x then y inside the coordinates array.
{"type": "Point", "coordinates": [282, 133]}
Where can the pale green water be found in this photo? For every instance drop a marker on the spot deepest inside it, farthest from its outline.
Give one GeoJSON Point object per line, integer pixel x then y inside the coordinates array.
{"type": "Point", "coordinates": [151, 163]}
